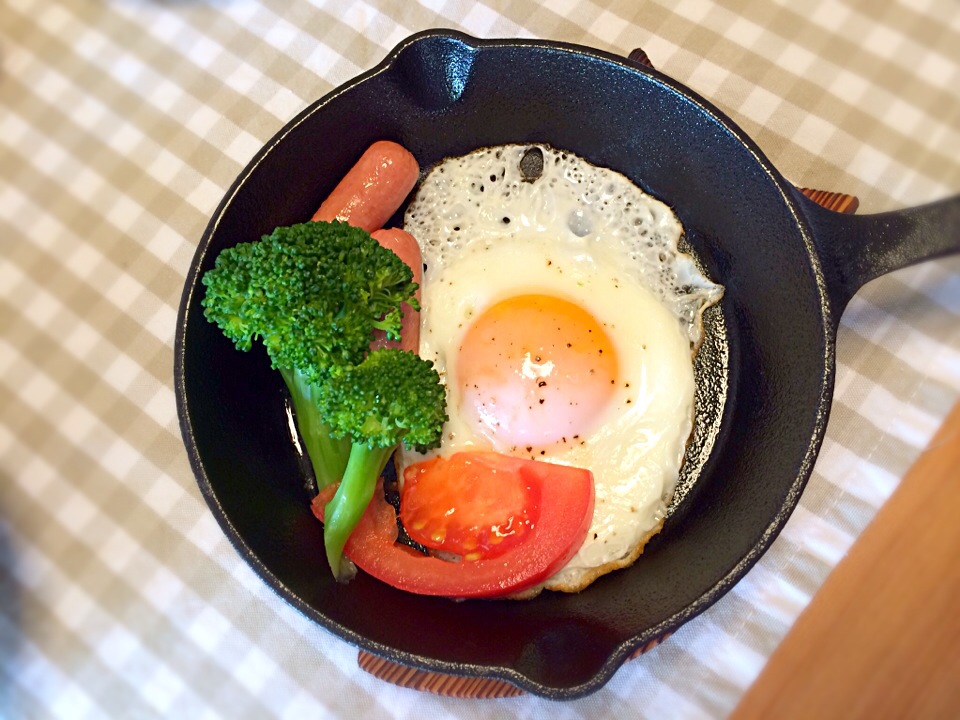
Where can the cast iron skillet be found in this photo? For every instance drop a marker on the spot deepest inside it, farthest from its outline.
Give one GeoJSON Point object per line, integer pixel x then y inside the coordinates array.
{"type": "Point", "coordinates": [765, 373]}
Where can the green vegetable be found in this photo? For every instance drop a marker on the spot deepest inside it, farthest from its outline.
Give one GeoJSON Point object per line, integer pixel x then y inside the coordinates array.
{"type": "Point", "coordinates": [392, 396]}
{"type": "Point", "coordinates": [313, 294]}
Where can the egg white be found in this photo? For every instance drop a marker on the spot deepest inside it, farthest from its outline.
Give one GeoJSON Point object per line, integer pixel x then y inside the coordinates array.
{"type": "Point", "coordinates": [588, 235]}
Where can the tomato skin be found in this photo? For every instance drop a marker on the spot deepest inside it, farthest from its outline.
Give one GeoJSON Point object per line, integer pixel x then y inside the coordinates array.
{"type": "Point", "coordinates": [566, 510]}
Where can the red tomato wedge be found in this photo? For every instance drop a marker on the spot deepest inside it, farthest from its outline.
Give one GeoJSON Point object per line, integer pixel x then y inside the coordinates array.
{"type": "Point", "coordinates": [556, 525]}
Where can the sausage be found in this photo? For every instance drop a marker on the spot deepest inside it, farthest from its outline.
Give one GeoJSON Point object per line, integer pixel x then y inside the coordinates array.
{"type": "Point", "coordinates": [406, 248]}
{"type": "Point", "coordinates": [372, 191]}
{"type": "Point", "coordinates": [368, 195]}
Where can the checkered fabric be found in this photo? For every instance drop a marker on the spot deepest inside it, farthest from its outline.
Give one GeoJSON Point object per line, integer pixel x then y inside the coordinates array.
{"type": "Point", "coordinates": [123, 123]}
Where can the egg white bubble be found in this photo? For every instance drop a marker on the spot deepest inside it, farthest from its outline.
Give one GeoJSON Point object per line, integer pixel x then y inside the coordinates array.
{"type": "Point", "coordinates": [574, 200]}
{"type": "Point", "coordinates": [590, 236]}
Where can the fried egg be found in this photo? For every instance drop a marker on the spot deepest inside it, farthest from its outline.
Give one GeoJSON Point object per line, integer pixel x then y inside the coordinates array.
{"type": "Point", "coordinates": [563, 319]}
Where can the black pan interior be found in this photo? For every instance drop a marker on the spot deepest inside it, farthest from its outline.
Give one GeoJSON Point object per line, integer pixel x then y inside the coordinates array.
{"type": "Point", "coordinates": [765, 370]}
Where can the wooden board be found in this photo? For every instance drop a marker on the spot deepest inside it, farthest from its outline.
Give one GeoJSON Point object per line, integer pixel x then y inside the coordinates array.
{"type": "Point", "coordinates": [881, 639]}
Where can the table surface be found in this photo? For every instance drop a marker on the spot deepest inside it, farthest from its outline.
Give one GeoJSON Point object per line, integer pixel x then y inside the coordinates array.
{"type": "Point", "coordinates": [881, 644]}
{"type": "Point", "coordinates": [123, 123]}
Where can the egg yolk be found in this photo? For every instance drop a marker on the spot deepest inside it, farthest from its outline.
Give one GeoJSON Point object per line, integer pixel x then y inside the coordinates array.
{"type": "Point", "coordinates": [534, 370]}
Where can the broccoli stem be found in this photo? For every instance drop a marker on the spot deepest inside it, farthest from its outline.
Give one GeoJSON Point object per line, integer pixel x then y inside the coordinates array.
{"type": "Point", "coordinates": [348, 504]}
{"type": "Point", "coordinates": [328, 455]}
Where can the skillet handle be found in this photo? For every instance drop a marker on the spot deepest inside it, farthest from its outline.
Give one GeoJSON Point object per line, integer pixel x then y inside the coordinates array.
{"type": "Point", "coordinates": [859, 248]}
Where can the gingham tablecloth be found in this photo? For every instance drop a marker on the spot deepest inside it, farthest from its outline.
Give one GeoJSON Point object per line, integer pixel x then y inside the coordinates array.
{"type": "Point", "coordinates": [123, 123]}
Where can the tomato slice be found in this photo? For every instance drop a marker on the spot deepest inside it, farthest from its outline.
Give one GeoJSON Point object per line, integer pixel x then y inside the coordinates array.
{"type": "Point", "coordinates": [558, 525]}
{"type": "Point", "coordinates": [475, 505]}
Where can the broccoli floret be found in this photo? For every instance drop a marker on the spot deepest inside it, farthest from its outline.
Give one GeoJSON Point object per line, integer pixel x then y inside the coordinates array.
{"type": "Point", "coordinates": [393, 396]}
{"type": "Point", "coordinates": [313, 293]}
